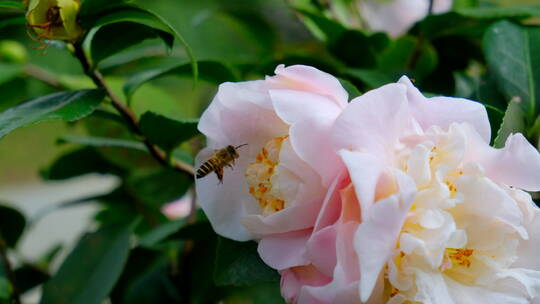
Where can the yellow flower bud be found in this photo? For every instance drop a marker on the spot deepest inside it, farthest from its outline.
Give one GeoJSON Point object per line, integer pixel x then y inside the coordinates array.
{"type": "Point", "coordinates": [54, 19]}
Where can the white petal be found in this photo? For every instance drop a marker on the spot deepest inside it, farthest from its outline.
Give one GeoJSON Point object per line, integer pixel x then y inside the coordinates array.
{"type": "Point", "coordinates": [376, 237]}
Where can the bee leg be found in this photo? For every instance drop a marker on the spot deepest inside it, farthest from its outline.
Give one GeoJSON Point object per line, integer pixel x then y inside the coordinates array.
{"type": "Point", "coordinates": [231, 165]}
{"type": "Point", "coordinates": [219, 174]}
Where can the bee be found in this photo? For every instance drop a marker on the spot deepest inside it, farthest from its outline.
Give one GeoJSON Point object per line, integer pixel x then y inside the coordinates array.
{"type": "Point", "coordinates": [221, 159]}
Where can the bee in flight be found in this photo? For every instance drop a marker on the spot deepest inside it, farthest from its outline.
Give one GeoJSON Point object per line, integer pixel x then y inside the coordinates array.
{"type": "Point", "coordinates": [221, 159]}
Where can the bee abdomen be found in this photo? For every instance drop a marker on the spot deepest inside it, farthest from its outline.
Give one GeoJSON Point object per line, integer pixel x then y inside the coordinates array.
{"type": "Point", "coordinates": [205, 169]}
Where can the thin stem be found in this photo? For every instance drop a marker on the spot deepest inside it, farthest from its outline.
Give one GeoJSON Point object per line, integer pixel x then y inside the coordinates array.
{"type": "Point", "coordinates": [16, 297]}
{"type": "Point", "coordinates": [43, 75]}
{"type": "Point", "coordinates": [129, 116]}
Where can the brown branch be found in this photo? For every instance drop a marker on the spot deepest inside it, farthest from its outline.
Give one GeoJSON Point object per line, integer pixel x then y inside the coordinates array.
{"type": "Point", "coordinates": [130, 117]}
{"type": "Point", "coordinates": [16, 297]}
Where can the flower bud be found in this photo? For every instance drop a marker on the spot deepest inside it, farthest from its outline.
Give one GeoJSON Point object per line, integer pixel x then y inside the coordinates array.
{"type": "Point", "coordinates": [12, 52]}
{"type": "Point", "coordinates": [54, 19]}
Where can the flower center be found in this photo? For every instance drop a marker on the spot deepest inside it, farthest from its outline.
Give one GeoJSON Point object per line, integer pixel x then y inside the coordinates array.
{"type": "Point", "coordinates": [455, 257]}
{"type": "Point", "coordinates": [259, 175]}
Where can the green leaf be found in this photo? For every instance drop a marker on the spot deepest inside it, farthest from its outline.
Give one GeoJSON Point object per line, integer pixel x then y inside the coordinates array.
{"type": "Point", "coordinates": [267, 293]}
{"type": "Point", "coordinates": [93, 141]}
{"type": "Point", "coordinates": [373, 78]}
{"type": "Point", "coordinates": [239, 264]}
{"type": "Point", "coordinates": [351, 89]}
{"type": "Point", "coordinates": [157, 187]}
{"type": "Point", "coordinates": [128, 25]}
{"type": "Point", "coordinates": [92, 9]}
{"type": "Point", "coordinates": [406, 55]}
{"type": "Point", "coordinates": [100, 127]}
{"type": "Point", "coordinates": [12, 224]}
{"type": "Point", "coordinates": [11, 20]}
{"type": "Point", "coordinates": [513, 122]}
{"type": "Point", "coordinates": [452, 24]}
{"type": "Point", "coordinates": [5, 289]}
{"type": "Point", "coordinates": [9, 71]}
{"type": "Point", "coordinates": [500, 12]}
{"type": "Point", "coordinates": [67, 106]}
{"type": "Point", "coordinates": [12, 4]}
{"type": "Point", "coordinates": [160, 233]}
{"type": "Point", "coordinates": [28, 277]}
{"type": "Point", "coordinates": [472, 21]}
{"type": "Point", "coordinates": [124, 35]}
{"type": "Point", "coordinates": [201, 263]}
{"type": "Point", "coordinates": [79, 162]}
{"type": "Point", "coordinates": [513, 56]}
{"type": "Point", "coordinates": [357, 49]}
{"type": "Point", "coordinates": [211, 71]}
{"type": "Point", "coordinates": [90, 271]}
{"type": "Point", "coordinates": [166, 132]}
{"type": "Point", "coordinates": [198, 231]}
{"type": "Point", "coordinates": [409, 55]}
{"type": "Point", "coordinates": [146, 279]}
{"type": "Point", "coordinates": [321, 27]}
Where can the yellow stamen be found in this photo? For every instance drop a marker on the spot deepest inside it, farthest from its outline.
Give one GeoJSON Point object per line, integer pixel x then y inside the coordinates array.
{"type": "Point", "coordinates": [259, 177]}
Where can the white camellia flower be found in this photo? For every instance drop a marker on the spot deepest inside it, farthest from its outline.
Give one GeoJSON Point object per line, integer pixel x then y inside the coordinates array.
{"type": "Point", "coordinates": [395, 17]}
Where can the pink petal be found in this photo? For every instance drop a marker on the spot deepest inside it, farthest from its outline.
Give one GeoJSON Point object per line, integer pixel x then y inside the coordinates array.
{"type": "Point", "coordinates": [364, 170]}
{"type": "Point", "coordinates": [311, 117]}
{"type": "Point", "coordinates": [219, 200]}
{"type": "Point", "coordinates": [443, 111]}
{"type": "Point", "coordinates": [517, 164]}
{"type": "Point", "coordinates": [284, 250]}
{"type": "Point", "coordinates": [331, 207]}
{"type": "Point", "coordinates": [309, 79]}
{"type": "Point", "coordinates": [321, 249]}
{"type": "Point", "coordinates": [373, 122]}
{"type": "Point", "coordinates": [304, 215]}
{"type": "Point", "coordinates": [297, 279]}
{"type": "Point", "coordinates": [177, 209]}
{"type": "Point", "coordinates": [241, 113]}
{"type": "Point", "coordinates": [377, 234]}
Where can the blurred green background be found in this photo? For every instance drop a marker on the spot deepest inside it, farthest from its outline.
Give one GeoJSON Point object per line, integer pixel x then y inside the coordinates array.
{"type": "Point", "coordinates": [228, 31]}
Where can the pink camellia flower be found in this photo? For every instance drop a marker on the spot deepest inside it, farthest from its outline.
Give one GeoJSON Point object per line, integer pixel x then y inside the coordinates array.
{"type": "Point", "coordinates": [278, 182]}
{"type": "Point", "coordinates": [395, 17]}
{"type": "Point", "coordinates": [425, 212]}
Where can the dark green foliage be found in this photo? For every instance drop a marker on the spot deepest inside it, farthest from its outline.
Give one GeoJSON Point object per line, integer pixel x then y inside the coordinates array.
{"type": "Point", "coordinates": [29, 276]}
{"type": "Point", "coordinates": [210, 71]}
{"type": "Point", "coordinates": [67, 106]}
{"type": "Point", "coordinates": [166, 132]}
{"type": "Point", "coordinates": [12, 224]}
{"type": "Point", "coordinates": [239, 264]}
{"type": "Point", "coordinates": [512, 53]}
{"type": "Point", "coordinates": [79, 162]}
{"type": "Point", "coordinates": [157, 187]}
{"type": "Point", "coordinates": [90, 271]}
{"type": "Point", "coordinates": [146, 279]}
